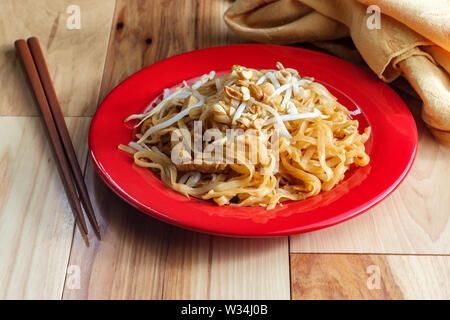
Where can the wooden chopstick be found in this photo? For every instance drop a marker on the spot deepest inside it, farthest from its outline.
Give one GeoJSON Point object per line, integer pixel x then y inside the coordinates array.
{"type": "Point", "coordinates": [65, 170]}
{"type": "Point", "coordinates": [58, 118]}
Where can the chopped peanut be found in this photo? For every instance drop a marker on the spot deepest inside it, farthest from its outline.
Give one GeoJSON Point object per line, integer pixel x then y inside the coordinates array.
{"type": "Point", "coordinates": [256, 91]}
{"type": "Point", "coordinates": [283, 76]}
{"type": "Point", "coordinates": [245, 93]}
{"type": "Point", "coordinates": [268, 89]}
{"type": "Point", "coordinates": [245, 74]}
{"type": "Point", "coordinates": [232, 93]}
{"type": "Point", "coordinates": [218, 109]}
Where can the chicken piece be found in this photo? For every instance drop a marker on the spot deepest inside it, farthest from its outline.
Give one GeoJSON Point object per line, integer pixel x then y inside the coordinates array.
{"type": "Point", "coordinates": [189, 101]}
{"type": "Point", "coordinates": [205, 167]}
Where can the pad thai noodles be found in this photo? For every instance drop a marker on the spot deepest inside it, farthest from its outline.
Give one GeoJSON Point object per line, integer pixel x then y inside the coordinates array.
{"type": "Point", "coordinates": [249, 138]}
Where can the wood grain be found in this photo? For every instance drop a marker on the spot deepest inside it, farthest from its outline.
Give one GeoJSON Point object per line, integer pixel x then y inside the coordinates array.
{"type": "Point", "coordinates": [36, 222]}
{"type": "Point", "coordinates": [75, 57]}
{"type": "Point", "coordinates": [413, 220]}
{"type": "Point", "coordinates": [142, 258]}
{"type": "Point", "coordinates": [139, 257]}
{"type": "Point", "coordinates": [225, 268]}
{"type": "Point", "coordinates": [145, 32]}
{"type": "Point", "coordinates": [349, 276]}
{"type": "Point", "coordinates": [250, 269]}
{"type": "Point", "coordinates": [130, 260]}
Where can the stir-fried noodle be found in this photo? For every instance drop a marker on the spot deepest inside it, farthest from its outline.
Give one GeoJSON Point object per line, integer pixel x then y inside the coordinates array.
{"type": "Point", "coordinates": [249, 138]}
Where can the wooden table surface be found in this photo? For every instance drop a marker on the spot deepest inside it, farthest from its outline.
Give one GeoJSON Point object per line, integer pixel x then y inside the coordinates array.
{"type": "Point", "coordinates": [398, 250]}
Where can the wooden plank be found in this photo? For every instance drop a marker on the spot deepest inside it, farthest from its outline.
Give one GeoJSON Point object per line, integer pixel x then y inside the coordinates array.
{"type": "Point", "coordinates": [353, 276]}
{"type": "Point", "coordinates": [250, 269]}
{"type": "Point", "coordinates": [130, 261]}
{"type": "Point", "coordinates": [139, 257]}
{"type": "Point", "coordinates": [211, 30]}
{"type": "Point", "coordinates": [75, 57]}
{"type": "Point", "coordinates": [413, 220]}
{"type": "Point", "coordinates": [146, 32]}
{"type": "Point", "coordinates": [36, 222]}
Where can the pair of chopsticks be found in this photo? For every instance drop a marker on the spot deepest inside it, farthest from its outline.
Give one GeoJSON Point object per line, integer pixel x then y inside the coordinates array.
{"type": "Point", "coordinates": [36, 70]}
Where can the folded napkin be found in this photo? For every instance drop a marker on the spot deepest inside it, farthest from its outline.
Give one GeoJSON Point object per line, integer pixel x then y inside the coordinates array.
{"type": "Point", "coordinates": [413, 40]}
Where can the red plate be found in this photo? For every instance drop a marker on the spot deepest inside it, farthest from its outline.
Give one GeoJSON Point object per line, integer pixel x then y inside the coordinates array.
{"type": "Point", "coordinates": [392, 146]}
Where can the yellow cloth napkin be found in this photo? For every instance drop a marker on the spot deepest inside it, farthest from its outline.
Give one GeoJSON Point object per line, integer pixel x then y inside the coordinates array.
{"type": "Point", "coordinates": [413, 39]}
